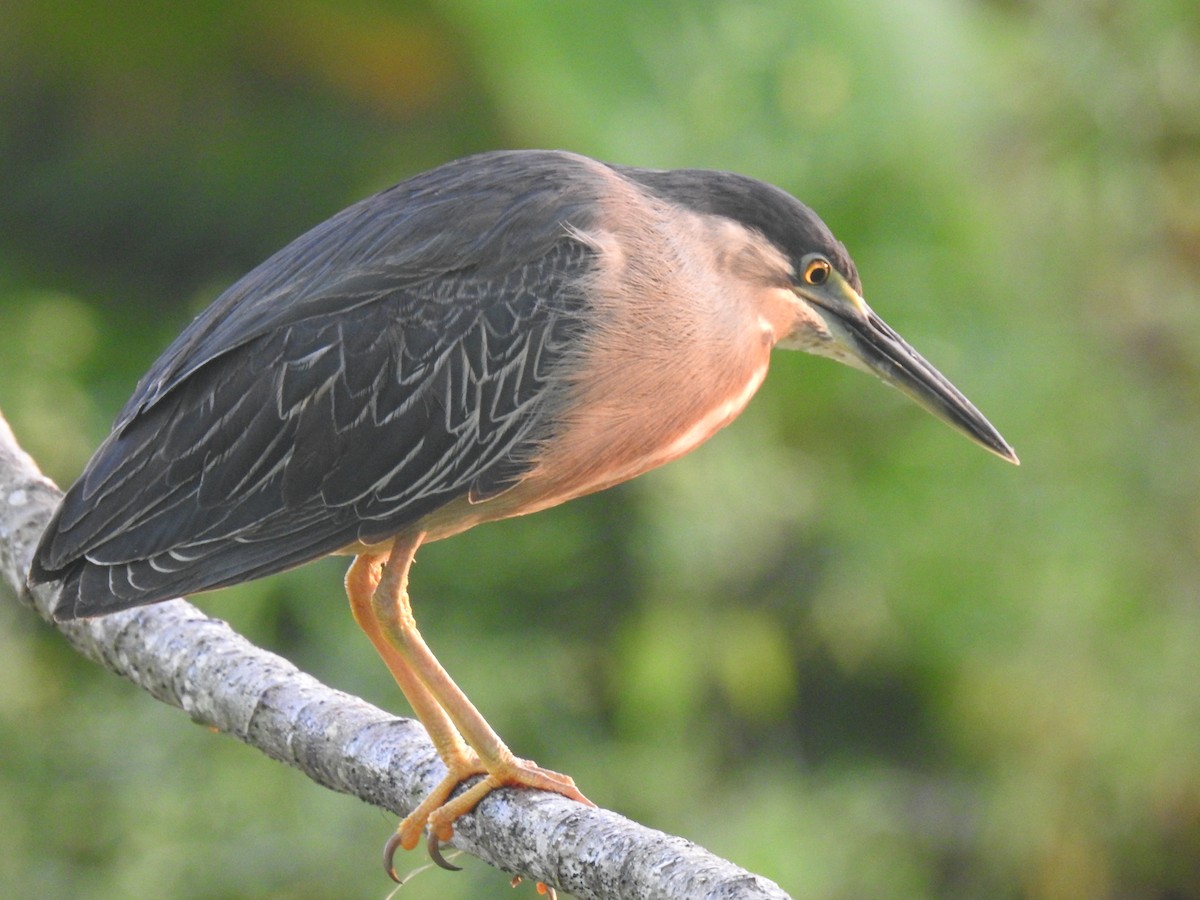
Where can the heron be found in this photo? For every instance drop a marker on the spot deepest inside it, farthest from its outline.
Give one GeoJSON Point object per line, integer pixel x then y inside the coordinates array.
{"type": "Point", "coordinates": [487, 339]}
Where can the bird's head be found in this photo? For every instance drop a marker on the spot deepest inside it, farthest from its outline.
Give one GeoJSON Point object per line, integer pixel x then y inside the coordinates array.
{"type": "Point", "coordinates": [814, 274]}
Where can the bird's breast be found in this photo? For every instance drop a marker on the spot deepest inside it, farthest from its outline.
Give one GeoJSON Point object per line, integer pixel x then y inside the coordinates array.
{"type": "Point", "coordinates": [607, 444]}
{"type": "Point", "coordinates": [677, 340]}
{"type": "Point", "coordinates": [654, 436]}
{"type": "Point", "coordinates": [605, 441]}
{"type": "Point", "coordinates": [675, 348]}
{"type": "Point", "coordinates": [636, 405]}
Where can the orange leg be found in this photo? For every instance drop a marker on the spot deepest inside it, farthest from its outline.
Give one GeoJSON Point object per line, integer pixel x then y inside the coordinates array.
{"type": "Point", "coordinates": [378, 595]}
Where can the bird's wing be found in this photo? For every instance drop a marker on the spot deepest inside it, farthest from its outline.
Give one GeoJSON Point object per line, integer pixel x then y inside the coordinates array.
{"type": "Point", "coordinates": [336, 400]}
{"type": "Point", "coordinates": [484, 215]}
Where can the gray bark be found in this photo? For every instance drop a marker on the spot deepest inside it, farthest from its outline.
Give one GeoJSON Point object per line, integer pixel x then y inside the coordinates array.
{"type": "Point", "coordinates": [200, 665]}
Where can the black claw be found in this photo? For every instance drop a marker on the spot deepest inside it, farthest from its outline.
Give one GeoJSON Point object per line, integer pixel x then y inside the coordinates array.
{"type": "Point", "coordinates": [435, 853]}
{"type": "Point", "coordinates": [389, 856]}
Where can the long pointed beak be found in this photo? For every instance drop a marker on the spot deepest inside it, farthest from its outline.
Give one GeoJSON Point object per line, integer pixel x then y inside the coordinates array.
{"type": "Point", "coordinates": [872, 345]}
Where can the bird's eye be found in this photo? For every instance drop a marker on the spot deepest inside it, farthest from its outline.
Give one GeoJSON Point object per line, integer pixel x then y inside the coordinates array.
{"type": "Point", "coordinates": [817, 271]}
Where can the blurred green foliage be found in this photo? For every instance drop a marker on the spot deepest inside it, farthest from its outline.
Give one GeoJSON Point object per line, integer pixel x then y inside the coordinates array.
{"type": "Point", "coordinates": [838, 644]}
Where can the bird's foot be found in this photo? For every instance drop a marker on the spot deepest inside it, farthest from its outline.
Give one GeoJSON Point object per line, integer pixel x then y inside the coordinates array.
{"type": "Point", "coordinates": [439, 812]}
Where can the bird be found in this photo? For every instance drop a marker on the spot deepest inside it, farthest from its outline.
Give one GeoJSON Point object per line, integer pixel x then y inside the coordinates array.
{"type": "Point", "coordinates": [487, 339]}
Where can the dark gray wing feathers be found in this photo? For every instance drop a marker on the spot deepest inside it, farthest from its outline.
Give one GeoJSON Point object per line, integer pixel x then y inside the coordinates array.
{"type": "Point", "coordinates": [397, 357]}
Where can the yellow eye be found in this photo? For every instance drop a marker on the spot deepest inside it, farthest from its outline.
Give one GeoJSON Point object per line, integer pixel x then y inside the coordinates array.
{"type": "Point", "coordinates": [817, 271]}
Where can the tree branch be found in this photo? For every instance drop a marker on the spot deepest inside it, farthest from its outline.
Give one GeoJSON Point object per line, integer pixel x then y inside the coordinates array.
{"type": "Point", "coordinates": [186, 659]}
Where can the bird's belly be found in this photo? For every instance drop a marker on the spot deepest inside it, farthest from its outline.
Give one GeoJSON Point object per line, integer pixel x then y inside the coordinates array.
{"type": "Point", "coordinates": [589, 457]}
{"type": "Point", "coordinates": [652, 446]}
{"type": "Point", "coordinates": [600, 452]}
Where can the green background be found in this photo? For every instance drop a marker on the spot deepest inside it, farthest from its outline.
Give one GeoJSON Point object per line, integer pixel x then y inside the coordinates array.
{"type": "Point", "coordinates": [838, 644]}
